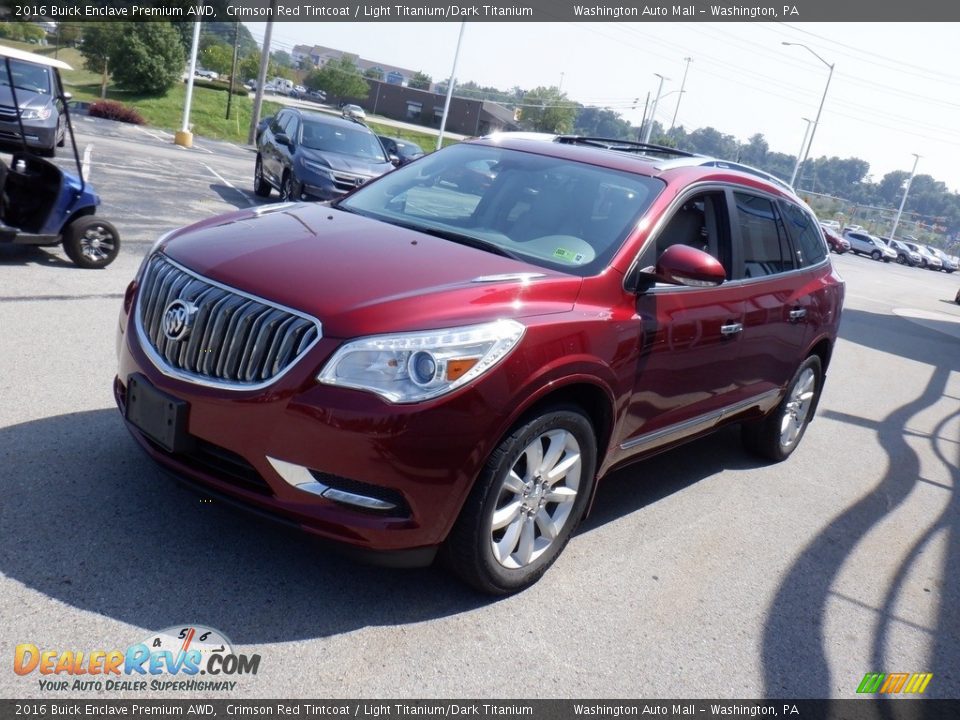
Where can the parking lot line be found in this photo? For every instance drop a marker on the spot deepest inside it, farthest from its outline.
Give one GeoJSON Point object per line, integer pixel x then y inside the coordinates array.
{"type": "Point", "coordinates": [85, 164]}
{"type": "Point", "coordinates": [151, 134]}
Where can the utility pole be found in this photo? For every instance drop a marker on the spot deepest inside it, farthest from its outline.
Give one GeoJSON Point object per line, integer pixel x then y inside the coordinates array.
{"type": "Point", "coordinates": [653, 110]}
{"type": "Point", "coordinates": [816, 121]}
{"type": "Point", "coordinates": [906, 191]}
{"type": "Point", "coordinates": [261, 77]}
{"type": "Point", "coordinates": [796, 166]}
{"type": "Point", "coordinates": [453, 79]}
{"type": "Point", "coordinates": [683, 84]}
{"type": "Point", "coordinates": [233, 68]}
{"type": "Point", "coordinates": [643, 122]}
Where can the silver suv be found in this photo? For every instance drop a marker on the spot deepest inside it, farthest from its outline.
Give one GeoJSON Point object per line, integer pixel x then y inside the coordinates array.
{"type": "Point", "coordinates": [865, 244]}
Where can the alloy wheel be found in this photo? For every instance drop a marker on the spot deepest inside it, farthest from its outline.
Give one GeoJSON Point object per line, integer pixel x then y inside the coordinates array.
{"type": "Point", "coordinates": [536, 498]}
{"type": "Point", "coordinates": [797, 408]}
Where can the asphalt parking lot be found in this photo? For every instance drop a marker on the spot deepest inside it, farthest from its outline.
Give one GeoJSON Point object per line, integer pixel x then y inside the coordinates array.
{"type": "Point", "coordinates": [700, 573]}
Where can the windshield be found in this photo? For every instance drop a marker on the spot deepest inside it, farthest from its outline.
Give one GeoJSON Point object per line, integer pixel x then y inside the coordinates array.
{"type": "Point", "coordinates": [549, 211]}
{"type": "Point", "coordinates": [355, 142]}
{"type": "Point", "coordinates": [27, 76]}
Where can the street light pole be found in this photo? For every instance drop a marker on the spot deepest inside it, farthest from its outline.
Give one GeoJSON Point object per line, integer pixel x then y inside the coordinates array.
{"type": "Point", "coordinates": [453, 79]}
{"type": "Point", "coordinates": [653, 110]}
{"type": "Point", "coordinates": [806, 134]}
{"type": "Point", "coordinates": [183, 136]}
{"type": "Point", "coordinates": [906, 191]}
{"type": "Point", "coordinates": [683, 84]}
{"type": "Point", "coordinates": [816, 121]}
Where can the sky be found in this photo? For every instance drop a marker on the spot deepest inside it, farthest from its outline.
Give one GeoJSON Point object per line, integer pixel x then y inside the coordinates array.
{"type": "Point", "coordinates": [895, 90]}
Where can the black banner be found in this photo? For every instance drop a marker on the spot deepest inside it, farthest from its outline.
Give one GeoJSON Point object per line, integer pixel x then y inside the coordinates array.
{"type": "Point", "coordinates": [862, 709]}
{"type": "Point", "coordinates": [484, 11]}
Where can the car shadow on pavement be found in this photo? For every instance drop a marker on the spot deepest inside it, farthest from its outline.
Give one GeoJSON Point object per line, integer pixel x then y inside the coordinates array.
{"type": "Point", "coordinates": [240, 199]}
{"type": "Point", "coordinates": [27, 255]}
{"type": "Point", "coordinates": [643, 483]}
{"type": "Point", "coordinates": [88, 520]}
{"type": "Point", "coordinates": [794, 659]}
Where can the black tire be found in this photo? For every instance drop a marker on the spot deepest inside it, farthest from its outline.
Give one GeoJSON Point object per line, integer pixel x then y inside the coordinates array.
{"type": "Point", "coordinates": [288, 188]}
{"type": "Point", "coordinates": [90, 242]}
{"type": "Point", "coordinates": [875, 254]}
{"type": "Point", "coordinates": [768, 437]}
{"type": "Point", "coordinates": [901, 260]}
{"type": "Point", "coordinates": [957, 298]}
{"type": "Point", "coordinates": [469, 550]}
{"type": "Point", "coordinates": [260, 185]}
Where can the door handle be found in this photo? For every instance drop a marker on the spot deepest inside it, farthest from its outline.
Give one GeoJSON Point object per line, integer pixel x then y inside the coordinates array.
{"type": "Point", "coordinates": [797, 314]}
{"type": "Point", "coordinates": [731, 329]}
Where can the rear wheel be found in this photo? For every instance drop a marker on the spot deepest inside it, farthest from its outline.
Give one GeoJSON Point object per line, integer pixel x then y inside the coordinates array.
{"type": "Point", "coordinates": [526, 503]}
{"type": "Point", "coordinates": [91, 242]}
{"type": "Point", "coordinates": [777, 435]}
{"type": "Point", "coordinates": [260, 185]}
{"type": "Point", "coordinates": [875, 254]}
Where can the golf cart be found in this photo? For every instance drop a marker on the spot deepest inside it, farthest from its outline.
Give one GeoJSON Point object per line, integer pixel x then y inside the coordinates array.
{"type": "Point", "coordinates": [40, 204]}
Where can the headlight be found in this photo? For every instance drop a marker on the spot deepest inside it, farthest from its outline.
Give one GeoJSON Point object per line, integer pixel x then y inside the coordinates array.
{"type": "Point", "coordinates": [35, 113]}
{"type": "Point", "coordinates": [317, 168]}
{"type": "Point", "coordinates": [411, 367]}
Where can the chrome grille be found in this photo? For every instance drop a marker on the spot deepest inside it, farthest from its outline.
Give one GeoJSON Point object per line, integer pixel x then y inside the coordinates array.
{"type": "Point", "coordinates": [348, 181]}
{"type": "Point", "coordinates": [235, 340]}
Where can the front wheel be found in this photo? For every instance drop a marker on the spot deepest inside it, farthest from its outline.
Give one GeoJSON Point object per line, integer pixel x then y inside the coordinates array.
{"type": "Point", "coordinates": [260, 185]}
{"type": "Point", "coordinates": [289, 188]}
{"type": "Point", "coordinates": [777, 435]}
{"type": "Point", "coordinates": [875, 254]}
{"type": "Point", "coordinates": [528, 500]}
{"type": "Point", "coordinates": [91, 242]}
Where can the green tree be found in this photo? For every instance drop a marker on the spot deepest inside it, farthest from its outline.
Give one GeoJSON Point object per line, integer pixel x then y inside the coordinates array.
{"type": "Point", "coordinates": [420, 81]}
{"type": "Point", "coordinates": [152, 57]}
{"type": "Point", "coordinates": [340, 78]}
{"type": "Point", "coordinates": [548, 110]}
{"type": "Point", "coordinates": [282, 58]}
{"type": "Point", "coordinates": [373, 73]}
{"type": "Point", "coordinates": [601, 122]}
{"type": "Point", "coordinates": [217, 57]}
{"type": "Point", "coordinates": [100, 41]}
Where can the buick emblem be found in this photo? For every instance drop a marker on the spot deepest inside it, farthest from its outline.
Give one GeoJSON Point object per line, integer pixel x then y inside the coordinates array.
{"type": "Point", "coordinates": [177, 319]}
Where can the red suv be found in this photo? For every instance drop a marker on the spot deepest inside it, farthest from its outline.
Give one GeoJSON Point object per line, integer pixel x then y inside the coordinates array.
{"type": "Point", "coordinates": [436, 364]}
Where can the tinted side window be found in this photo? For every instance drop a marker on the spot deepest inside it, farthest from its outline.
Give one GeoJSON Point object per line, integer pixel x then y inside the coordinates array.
{"type": "Point", "coordinates": [278, 123]}
{"type": "Point", "coordinates": [805, 234]}
{"type": "Point", "coordinates": [764, 244]}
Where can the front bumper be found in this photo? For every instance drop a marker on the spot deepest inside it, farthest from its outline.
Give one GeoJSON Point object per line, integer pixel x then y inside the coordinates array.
{"type": "Point", "coordinates": [38, 134]}
{"type": "Point", "coordinates": [423, 459]}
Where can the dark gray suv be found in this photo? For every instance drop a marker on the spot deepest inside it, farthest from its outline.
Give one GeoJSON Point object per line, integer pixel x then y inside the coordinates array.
{"type": "Point", "coordinates": [311, 155]}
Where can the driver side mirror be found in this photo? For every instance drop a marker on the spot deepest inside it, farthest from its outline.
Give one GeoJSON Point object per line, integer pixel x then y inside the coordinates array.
{"type": "Point", "coordinates": [67, 96]}
{"type": "Point", "coordinates": [684, 265]}
{"type": "Point", "coordinates": [283, 139]}
{"type": "Point", "coordinates": [394, 160]}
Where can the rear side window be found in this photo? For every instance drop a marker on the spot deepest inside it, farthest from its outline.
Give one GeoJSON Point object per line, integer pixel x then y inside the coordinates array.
{"type": "Point", "coordinates": [764, 245]}
{"type": "Point", "coordinates": [805, 234]}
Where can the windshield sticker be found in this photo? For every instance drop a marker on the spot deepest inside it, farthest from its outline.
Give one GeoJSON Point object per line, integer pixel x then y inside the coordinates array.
{"type": "Point", "coordinates": [568, 255]}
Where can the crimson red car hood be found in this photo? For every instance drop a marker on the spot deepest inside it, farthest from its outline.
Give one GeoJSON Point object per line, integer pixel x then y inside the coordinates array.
{"type": "Point", "coordinates": [360, 276]}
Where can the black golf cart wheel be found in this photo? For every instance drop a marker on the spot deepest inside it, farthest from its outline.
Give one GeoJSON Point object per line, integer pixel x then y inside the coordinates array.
{"type": "Point", "coordinates": [526, 503]}
{"type": "Point", "coordinates": [260, 185]}
{"type": "Point", "coordinates": [91, 242]}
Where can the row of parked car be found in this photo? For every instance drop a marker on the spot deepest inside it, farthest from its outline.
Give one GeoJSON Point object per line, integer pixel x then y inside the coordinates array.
{"type": "Point", "coordinates": [908, 251]}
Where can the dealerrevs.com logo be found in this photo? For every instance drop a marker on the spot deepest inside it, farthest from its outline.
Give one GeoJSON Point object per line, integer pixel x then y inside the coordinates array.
{"type": "Point", "coordinates": [190, 658]}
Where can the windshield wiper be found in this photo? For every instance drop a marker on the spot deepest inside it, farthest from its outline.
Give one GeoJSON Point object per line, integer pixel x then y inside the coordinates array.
{"type": "Point", "coordinates": [451, 235]}
{"type": "Point", "coordinates": [469, 240]}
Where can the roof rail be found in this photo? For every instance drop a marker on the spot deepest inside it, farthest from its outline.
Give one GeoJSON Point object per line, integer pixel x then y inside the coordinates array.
{"type": "Point", "coordinates": [623, 145]}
